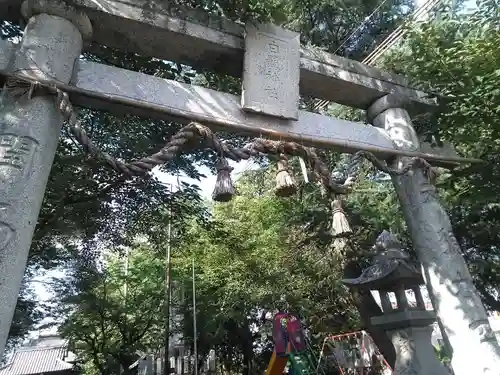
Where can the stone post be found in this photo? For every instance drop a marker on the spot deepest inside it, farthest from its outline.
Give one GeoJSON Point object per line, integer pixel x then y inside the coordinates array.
{"type": "Point", "coordinates": [145, 365]}
{"type": "Point", "coordinates": [454, 297]}
{"type": "Point", "coordinates": [414, 351]}
{"type": "Point", "coordinates": [29, 133]}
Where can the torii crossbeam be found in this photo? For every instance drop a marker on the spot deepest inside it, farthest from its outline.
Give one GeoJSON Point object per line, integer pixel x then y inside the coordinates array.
{"type": "Point", "coordinates": [120, 91]}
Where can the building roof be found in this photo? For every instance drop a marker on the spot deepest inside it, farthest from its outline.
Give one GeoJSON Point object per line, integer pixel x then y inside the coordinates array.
{"type": "Point", "coordinates": [45, 356]}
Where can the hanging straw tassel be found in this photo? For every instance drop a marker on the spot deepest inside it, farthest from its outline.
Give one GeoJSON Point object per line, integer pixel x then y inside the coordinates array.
{"type": "Point", "coordinates": [285, 184]}
{"type": "Point", "coordinates": [306, 173]}
{"type": "Point", "coordinates": [340, 225]}
{"type": "Point", "coordinates": [224, 189]}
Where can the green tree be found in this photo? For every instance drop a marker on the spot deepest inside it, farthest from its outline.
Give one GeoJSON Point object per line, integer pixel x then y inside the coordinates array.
{"type": "Point", "coordinates": [27, 314]}
{"type": "Point", "coordinates": [262, 254]}
{"type": "Point", "coordinates": [113, 314]}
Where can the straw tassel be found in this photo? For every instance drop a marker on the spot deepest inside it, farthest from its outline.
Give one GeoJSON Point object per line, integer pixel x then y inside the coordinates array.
{"type": "Point", "coordinates": [224, 189]}
{"type": "Point", "coordinates": [340, 225]}
{"type": "Point", "coordinates": [306, 173]}
{"type": "Point", "coordinates": [285, 184]}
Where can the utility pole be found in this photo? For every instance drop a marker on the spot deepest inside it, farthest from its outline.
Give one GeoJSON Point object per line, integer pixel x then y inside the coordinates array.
{"type": "Point", "coordinates": [168, 289]}
{"type": "Point", "coordinates": [195, 332]}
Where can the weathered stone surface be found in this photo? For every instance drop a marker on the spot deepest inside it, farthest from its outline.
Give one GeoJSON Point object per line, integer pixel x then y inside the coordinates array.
{"type": "Point", "coordinates": [29, 133]}
{"type": "Point", "coordinates": [271, 71]}
{"type": "Point", "coordinates": [408, 326]}
{"type": "Point", "coordinates": [61, 9]}
{"type": "Point", "coordinates": [151, 28]}
{"type": "Point", "coordinates": [390, 267]}
{"type": "Point", "coordinates": [400, 319]}
{"type": "Point", "coordinates": [6, 51]}
{"type": "Point", "coordinates": [166, 97]}
{"type": "Point", "coordinates": [446, 149]}
{"type": "Point", "coordinates": [120, 91]}
{"type": "Point", "coordinates": [414, 353]}
{"type": "Point", "coordinates": [454, 297]}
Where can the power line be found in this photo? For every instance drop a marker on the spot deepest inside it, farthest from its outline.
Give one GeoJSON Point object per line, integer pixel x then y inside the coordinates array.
{"type": "Point", "coordinates": [390, 41]}
{"type": "Point", "coordinates": [360, 26]}
{"type": "Point", "coordinates": [397, 34]}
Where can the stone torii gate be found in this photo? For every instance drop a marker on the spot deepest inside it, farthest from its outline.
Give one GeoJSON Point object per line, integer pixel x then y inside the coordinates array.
{"type": "Point", "coordinates": [275, 70]}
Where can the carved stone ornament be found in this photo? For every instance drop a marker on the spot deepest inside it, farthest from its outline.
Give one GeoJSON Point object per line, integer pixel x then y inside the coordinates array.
{"type": "Point", "coordinates": [388, 246]}
{"type": "Point", "coordinates": [390, 260]}
{"type": "Point", "coordinates": [16, 156]}
{"type": "Point", "coordinates": [271, 71]}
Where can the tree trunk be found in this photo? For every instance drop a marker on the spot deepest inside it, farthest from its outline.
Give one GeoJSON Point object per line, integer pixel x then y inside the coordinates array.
{"type": "Point", "coordinates": [247, 346]}
{"type": "Point", "coordinates": [102, 367]}
{"type": "Point", "coordinates": [125, 361]}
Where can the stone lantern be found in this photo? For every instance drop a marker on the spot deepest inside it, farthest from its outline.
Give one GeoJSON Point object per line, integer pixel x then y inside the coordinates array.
{"type": "Point", "coordinates": [409, 327]}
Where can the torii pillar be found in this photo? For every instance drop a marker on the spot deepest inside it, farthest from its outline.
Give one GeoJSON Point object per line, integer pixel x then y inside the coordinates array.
{"type": "Point", "coordinates": [454, 296]}
{"type": "Point", "coordinates": [29, 133]}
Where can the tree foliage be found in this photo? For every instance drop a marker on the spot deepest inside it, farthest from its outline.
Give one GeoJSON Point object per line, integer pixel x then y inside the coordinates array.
{"type": "Point", "coordinates": [112, 314]}
{"type": "Point", "coordinates": [248, 266]}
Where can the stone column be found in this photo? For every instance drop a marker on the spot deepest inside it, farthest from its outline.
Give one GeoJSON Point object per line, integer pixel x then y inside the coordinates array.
{"type": "Point", "coordinates": [410, 331]}
{"type": "Point", "coordinates": [455, 299]}
{"type": "Point", "coordinates": [29, 133]}
{"type": "Point", "coordinates": [414, 352]}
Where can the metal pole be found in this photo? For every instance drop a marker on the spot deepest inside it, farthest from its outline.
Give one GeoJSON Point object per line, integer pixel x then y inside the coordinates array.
{"type": "Point", "coordinates": [125, 286]}
{"type": "Point", "coordinates": [195, 332]}
{"type": "Point", "coordinates": [168, 291]}
{"type": "Point", "coordinates": [125, 289]}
